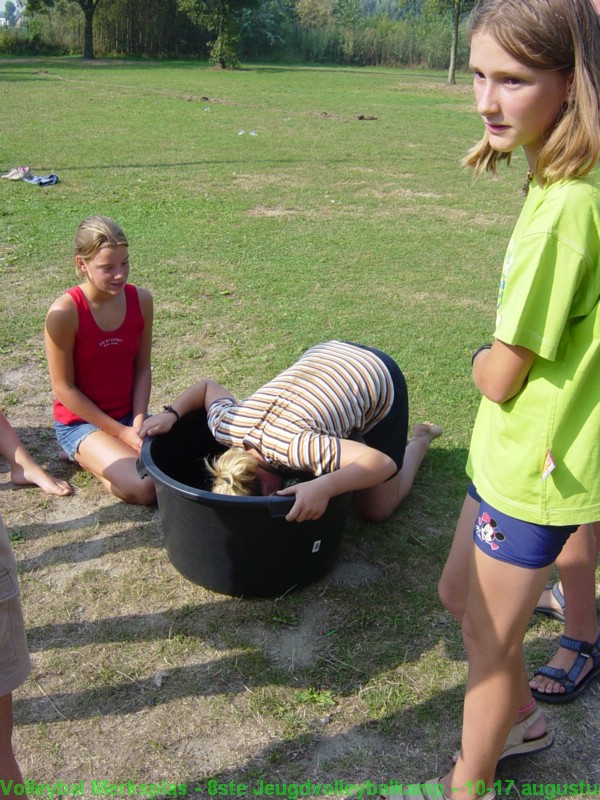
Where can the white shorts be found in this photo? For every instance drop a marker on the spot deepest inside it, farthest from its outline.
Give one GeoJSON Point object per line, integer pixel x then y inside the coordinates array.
{"type": "Point", "coordinates": [15, 664]}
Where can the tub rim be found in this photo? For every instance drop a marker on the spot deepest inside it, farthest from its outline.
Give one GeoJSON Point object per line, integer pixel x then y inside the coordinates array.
{"type": "Point", "coordinates": [147, 466]}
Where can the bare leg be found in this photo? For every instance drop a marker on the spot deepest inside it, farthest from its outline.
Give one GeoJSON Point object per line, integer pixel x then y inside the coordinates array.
{"type": "Point", "coordinates": [113, 463]}
{"type": "Point", "coordinates": [493, 633]}
{"type": "Point", "coordinates": [379, 502]}
{"type": "Point", "coordinates": [23, 469]}
{"type": "Point", "coordinates": [453, 590]}
{"type": "Point", "coordinates": [9, 769]}
{"type": "Point", "coordinates": [453, 587]}
{"type": "Point", "coordinates": [577, 568]}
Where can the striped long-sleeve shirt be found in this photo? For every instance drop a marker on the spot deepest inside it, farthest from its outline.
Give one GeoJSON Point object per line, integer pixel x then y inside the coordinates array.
{"type": "Point", "coordinates": [334, 391]}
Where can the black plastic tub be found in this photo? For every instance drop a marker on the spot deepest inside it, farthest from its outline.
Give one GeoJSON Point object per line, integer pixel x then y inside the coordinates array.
{"type": "Point", "coordinates": [233, 545]}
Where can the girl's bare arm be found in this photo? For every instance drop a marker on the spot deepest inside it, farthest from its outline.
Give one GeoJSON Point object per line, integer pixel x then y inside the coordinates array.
{"type": "Point", "coordinates": [500, 372]}
{"type": "Point", "coordinates": [200, 395]}
{"type": "Point", "coordinates": [361, 467]}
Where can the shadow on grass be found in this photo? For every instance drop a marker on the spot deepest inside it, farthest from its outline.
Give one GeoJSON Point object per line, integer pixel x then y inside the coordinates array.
{"type": "Point", "coordinates": [302, 158]}
{"type": "Point", "coordinates": [409, 746]}
{"type": "Point", "coordinates": [369, 642]}
{"type": "Point", "coordinates": [367, 630]}
{"type": "Point", "coordinates": [79, 64]}
{"type": "Point", "coordinates": [232, 674]}
{"type": "Point", "coordinates": [138, 518]}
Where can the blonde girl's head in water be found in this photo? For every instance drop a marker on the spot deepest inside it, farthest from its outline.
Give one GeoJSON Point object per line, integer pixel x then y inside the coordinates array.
{"type": "Point", "coordinates": [92, 235]}
{"type": "Point", "coordinates": [560, 36]}
{"type": "Point", "coordinates": [235, 473]}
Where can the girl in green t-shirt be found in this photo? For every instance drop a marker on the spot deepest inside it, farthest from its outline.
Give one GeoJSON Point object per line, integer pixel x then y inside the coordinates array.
{"type": "Point", "coordinates": [534, 467]}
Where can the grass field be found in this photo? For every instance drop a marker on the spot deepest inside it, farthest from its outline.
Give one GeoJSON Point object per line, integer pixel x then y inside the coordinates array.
{"type": "Point", "coordinates": [264, 215]}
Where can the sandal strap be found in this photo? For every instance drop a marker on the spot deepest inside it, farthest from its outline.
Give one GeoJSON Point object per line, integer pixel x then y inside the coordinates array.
{"type": "Point", "coordinates": [585, 649]}
{"type": "Point", "coordinates": [516, 735]}
{"type": "Point", "coordinates": [558, 595]}
{"type": "Point", "coordinates": [556, 674]}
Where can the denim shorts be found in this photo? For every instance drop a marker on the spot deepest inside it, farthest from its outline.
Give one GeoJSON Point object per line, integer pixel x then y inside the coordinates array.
{"type": "Point", "coordinates": [71, 436]}
{"type": "Point", "coordinates": [524, 544]}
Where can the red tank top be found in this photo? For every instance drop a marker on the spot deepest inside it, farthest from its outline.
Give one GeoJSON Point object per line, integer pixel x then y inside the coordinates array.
{"type": "Point", "coordinates": [104, 360]}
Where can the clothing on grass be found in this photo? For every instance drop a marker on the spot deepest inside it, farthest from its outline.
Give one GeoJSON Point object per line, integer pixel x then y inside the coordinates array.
{"type": "Point", "coordinates": [41, 180]}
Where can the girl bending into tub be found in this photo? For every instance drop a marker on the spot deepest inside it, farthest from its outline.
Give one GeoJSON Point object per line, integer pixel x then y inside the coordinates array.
{"type": "Point", "coordinates": [340, 412]}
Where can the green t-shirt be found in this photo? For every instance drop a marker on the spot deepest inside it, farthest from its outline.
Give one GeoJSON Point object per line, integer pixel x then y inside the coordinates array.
{"type": "Point", "coordinates": [537, 456]}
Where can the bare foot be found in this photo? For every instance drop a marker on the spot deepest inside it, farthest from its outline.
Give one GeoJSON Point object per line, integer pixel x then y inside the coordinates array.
{"type": "Point", "coordinates": [34, 474]}
{"type": "Point", "coordinates": [427, 431]}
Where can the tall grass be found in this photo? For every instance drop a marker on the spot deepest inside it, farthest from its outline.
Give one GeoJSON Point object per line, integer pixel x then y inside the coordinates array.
{"type": "Point", "coordinates": [381, 41]}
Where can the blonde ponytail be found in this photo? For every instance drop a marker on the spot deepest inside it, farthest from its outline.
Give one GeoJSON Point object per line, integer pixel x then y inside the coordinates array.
{"type": "Point", "coordinates": [234, 473]}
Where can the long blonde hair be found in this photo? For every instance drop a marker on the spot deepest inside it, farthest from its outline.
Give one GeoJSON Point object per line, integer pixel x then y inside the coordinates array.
{"type": "Point", "coordinates": [234, 472]}
{"type": "Point", "coordinates": [562, 35]}
{"type": "Point", "coordinates": [96, 232]}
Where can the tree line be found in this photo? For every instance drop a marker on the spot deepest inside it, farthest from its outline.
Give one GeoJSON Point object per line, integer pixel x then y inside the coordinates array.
{"type": "Point", "coordinates": [425, 33]}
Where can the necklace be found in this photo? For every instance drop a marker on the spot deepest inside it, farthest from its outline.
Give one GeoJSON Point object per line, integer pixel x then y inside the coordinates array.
{"type": "Point", "coordinates": [528, 179]}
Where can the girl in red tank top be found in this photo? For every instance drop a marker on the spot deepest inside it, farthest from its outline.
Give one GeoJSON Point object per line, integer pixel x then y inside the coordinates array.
{"type": "Point", "coordinates": [98, 343]}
